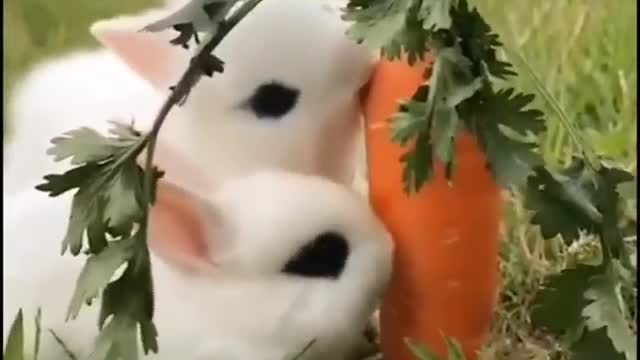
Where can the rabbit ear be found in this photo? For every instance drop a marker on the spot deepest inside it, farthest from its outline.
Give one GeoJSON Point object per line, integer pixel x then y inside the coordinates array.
{"type": "Point", "coordinates": [149, 54]}
{"type": "Point", "coordinates": [182, 223]}
{"type": "Point", "coordinates": [182, 229]}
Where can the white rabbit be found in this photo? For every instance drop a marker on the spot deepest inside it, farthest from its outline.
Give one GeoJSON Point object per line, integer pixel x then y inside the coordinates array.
{"type": "Point", "coordinates": [285, 259]}
{"type": "Point", "coordinates": [288, 97]}
{"type": "Point", "coordinates": [62, 94]}
{"type": "Point", "coordinates": [84, 88]}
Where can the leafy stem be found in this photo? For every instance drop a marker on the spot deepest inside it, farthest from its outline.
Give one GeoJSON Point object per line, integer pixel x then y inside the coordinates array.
{"type": "Point", "coordinates": [179, 94]}
{"type": "Point", "coordinates": [114, 194]}
{"type": "Point", "coordinates": [188, 80]}
{"type": "Point", "coordinates": [461, 90]}
{"type": "Point", "coordinates": [572, 130]}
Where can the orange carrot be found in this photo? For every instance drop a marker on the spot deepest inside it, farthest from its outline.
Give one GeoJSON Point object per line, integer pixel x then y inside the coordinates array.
{"type": "Point", "coordinates": [445, 278]}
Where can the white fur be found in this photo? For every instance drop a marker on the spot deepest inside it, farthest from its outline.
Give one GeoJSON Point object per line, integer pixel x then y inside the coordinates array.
{"type": "Point", "coordinates": [82, 89]}
{"type": "Point", "coordinates": [303, 45]}
{"type": "Point", "coordinates": [246, 309]}
{"type": "Point", "coordinates": [298, 42]}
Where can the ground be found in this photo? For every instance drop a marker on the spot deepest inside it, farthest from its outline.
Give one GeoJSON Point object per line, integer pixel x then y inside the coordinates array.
{"type": "Point", "coordinates": [584, 52]}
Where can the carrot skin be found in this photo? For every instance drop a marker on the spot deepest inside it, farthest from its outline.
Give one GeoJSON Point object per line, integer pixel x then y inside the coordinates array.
{"type": "Point", "coordinates": [445, 279]}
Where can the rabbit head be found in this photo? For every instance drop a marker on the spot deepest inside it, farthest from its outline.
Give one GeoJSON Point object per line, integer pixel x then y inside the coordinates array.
{"type": "Point", "coordinates": [276, 222]}
{"type": "Point", "coordinates": [288, 97]}
{"type": "Point", "coordinates": [271, 261]}
{"type": "Point", "coordinates": [303, 254]}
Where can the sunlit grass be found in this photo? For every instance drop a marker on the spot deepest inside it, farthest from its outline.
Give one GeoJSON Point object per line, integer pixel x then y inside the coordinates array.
{"type": "Point", "coordinates": [584, 54]}
{"type": "Point", "coordinates": [37, 29]}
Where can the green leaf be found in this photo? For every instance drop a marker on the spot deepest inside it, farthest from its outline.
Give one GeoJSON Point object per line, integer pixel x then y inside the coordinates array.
{"type": "Point", "coordinates": [410, 121]}
{"type": "Point", "coordinates": [15, 342]}
{"type": "Point", "coordinates": [108, 203]}
{"type": "Point", "coordinates": [558, 305]}
{"type": "Point", "coordinates": [421, 351]}
{"type": "Point", "coordinates": [127, 304]}
{"type": "Point", "coordinates": [578, 199]}
{"type": "Point", "coordinates": [124, 132]}
{"type": "Point", "coordinates": [418, 167]}
{"type": "Point", "coordinates": [85, 145]}
{"type": "Point", "coordinates": [77, 177]}
{"type": "Point", "coordinates": [563, 203]}
{"type": "Point", "coordinates": [511, 160]}
{"type": "Point", "coordinates": [377, 23]}
{"type": "Point", "coordinates": [149, 336]}
{"type": "Point", "coordinates": [451, 83]}
{"type": "Point", "coordinates": [511, 110]}
{"type": "Point", "coordinates": [122, 208]}
{"type": "Point", "coordinates": [465, 57]}
{"type": "Point", "coordinates": [591, 200]}
{"type": "Point", "coordinates": [108, 193]}
{"type": "Point", "coordinates": [606, 311]}
{"type": "Point", "coordinates": [97, 232]}
{"type": "Point", "coordinates": [431, 117]}
{"type": "Point", "coordinates": [97, 273]}
{"type": "Point", "coordinates": [608, 200]}
{"type": "Point", "coordinates": [117, 341]}
{"type": "Point", "coordinates": [454, 349]}
{"type": "Point", "coordinates": [130, 300]}
{"type": "Point", "coordinates": [397, 26]}
{"type": "Point", "coordinates": [435, 14]}
{"type": "Point", "coordinates": [83, 214]}
{"type": "Point", "coordinates": [478, 42]}
{"type": "Point", "coordinates": [629, 189]}
{"type": "Point", "coordinates": [15, 346]}
{"type": "Point", "coordinates": [595, 345]}
{"type": "Point", "coordinates": [194, 17]}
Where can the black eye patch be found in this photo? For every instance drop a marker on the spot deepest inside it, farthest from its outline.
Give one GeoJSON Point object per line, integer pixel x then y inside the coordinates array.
{"type": "Point", "coordinates": [324, 257]}
{"type": "Point", "coordinates": [273, 100]}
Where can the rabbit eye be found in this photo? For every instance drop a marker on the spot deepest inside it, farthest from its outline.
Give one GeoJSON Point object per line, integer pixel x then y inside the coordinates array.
{"type": "Point", "coordinates": [273, 100]}
{"type": "Point", "coordinates": [324, 257]}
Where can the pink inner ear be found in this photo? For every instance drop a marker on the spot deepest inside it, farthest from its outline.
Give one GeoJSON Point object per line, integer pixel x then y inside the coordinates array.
{"type": "Point", "coordinates": [148, 54]}
{"type": "Point", "coordinates": [180, 229]}
{"type": "Point", "coordinates": [181, 221]}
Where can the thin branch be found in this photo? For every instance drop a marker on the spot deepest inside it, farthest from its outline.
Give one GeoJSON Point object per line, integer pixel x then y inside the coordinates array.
{"type": "Point", "coordinates": [188, 80]}
{"type": "Point", "coordinates": [585, 148]}
{"type": "Point", "coordinates": [304, 350]}
{"type": "Point", "coordinates": [64, 346]}
{"type": "Point", "coordinates": [36, 346]}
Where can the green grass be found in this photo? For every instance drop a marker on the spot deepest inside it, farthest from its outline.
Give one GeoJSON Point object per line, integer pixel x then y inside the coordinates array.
{"type": "Point", "coordinates": [37, 29]}
{"type": "Point", "coordinates": [583, 52]}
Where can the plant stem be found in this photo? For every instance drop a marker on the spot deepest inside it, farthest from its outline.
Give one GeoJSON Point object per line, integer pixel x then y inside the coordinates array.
{"type": "Point", "coordinates": [188, 80]}
{"type": "Point", "coordinates": [572, 130]}
{"type": "Point", "coordinates": [63, 345]}
{"type": "Point", "coordinates": [185, 84]}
